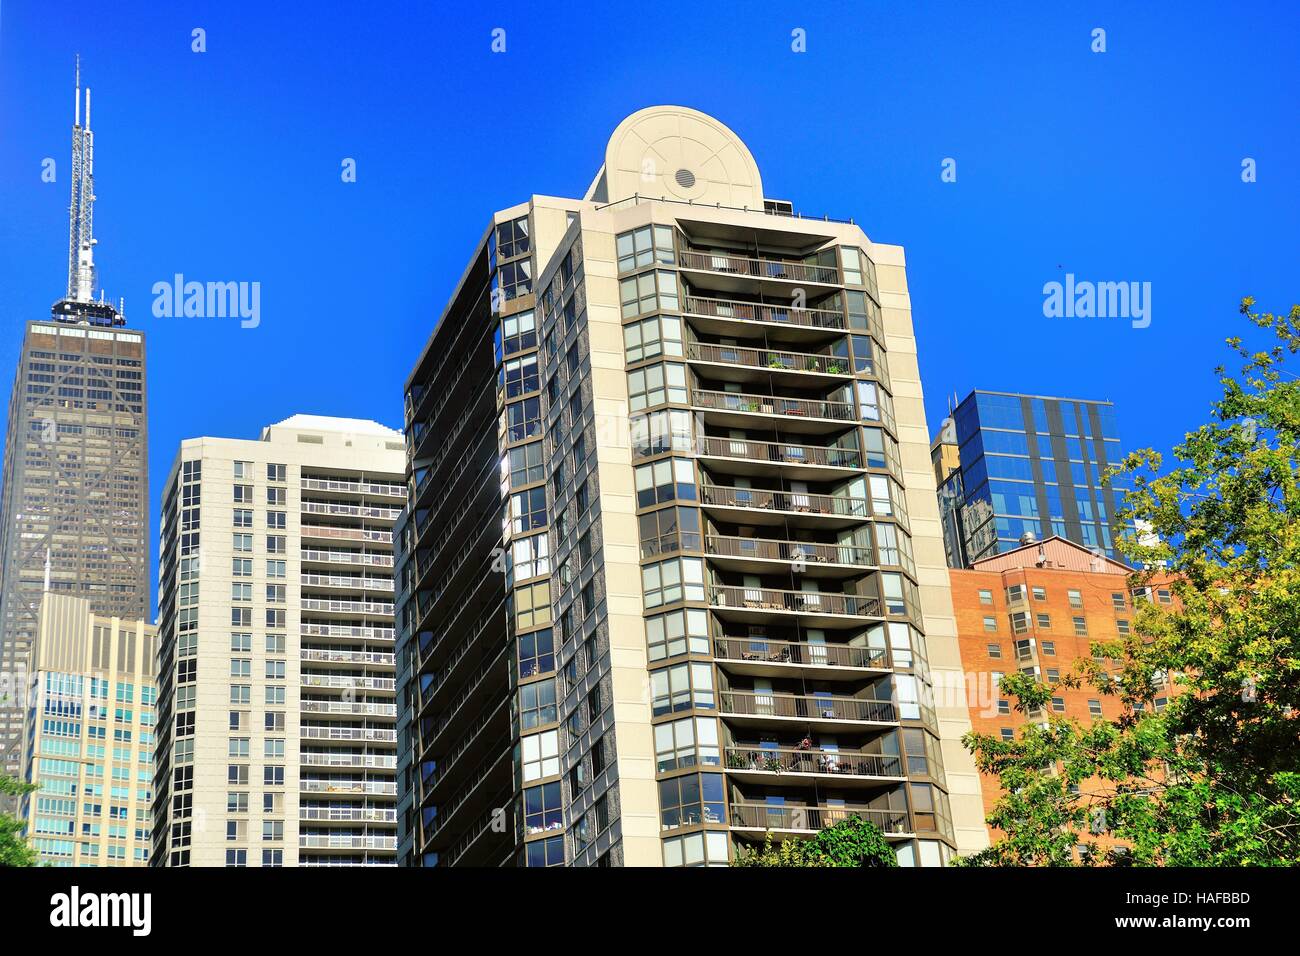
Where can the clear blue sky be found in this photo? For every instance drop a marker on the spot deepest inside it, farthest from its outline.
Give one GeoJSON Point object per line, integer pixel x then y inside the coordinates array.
{"type": "Point", "coordinates": [225, 166]}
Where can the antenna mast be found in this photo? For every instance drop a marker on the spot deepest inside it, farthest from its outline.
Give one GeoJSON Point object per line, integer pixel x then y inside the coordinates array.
{"type": "Point", "coordinates": [78, 304]}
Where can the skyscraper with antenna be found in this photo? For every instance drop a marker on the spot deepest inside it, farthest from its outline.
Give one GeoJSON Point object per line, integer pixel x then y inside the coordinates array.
{"type": "Point", "coordinates": [75, 492]}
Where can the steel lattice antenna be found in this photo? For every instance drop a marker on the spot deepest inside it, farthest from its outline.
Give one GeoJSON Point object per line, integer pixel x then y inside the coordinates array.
{"type": "Point", "coordinates": [78, 304]}
{"type": "Point", "coordinates": [81, 211]}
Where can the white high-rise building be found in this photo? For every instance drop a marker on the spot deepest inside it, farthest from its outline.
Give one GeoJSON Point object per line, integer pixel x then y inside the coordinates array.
{"type": "Point", "coordinates": [276, 741]}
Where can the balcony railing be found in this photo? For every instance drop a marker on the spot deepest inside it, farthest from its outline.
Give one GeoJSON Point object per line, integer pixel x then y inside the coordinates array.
{"type": "Point", "coordinates": [347, 814]}
{"type": "Point", "coordinates": [761, 816]}
{"type": "Point", "coordinates": [807, 706]}
{"type": "Point", "coordinates": [359, 511]}
{"type": "Point", "coordinates": [346, 534]}
{"type": "Point", "coordinates": [320, 629]}
{"type": "Point", "coordinates": [779, 760]}
{"type": "Point", "coordinates": [373, 761]}
{"type": "Point", "coordinates": [759, 268]}
{"type": "Point", "coordinates": [350, 581]}
{"type": "Point", "coordinates": [763, 651]}
{"type": "Point", "coordinates": [388, 489]}
{"type": "Point", "coordinates": [805, 602]}
{"type": "Point", "coordinates": [308, 732]}
{"type": "Point", "coordinates": [348, 682]}
{"type": "Point", "coordinates": [768, 359]}
{"type": "Point", "coordinates": [347, 557]}
{"type": "Point", "coordinates": [837, 505]}
{"type": "Point", "coordinates": [771, 405]}
{"type": "Point", "coordinates": [782, 453]}
{"type": "Point", "coordinates": [343, 707]}
{"type": "Point", "coordinates": [804, 552]}
{"type": "Point", "coordinates": [332, 842]}
{"type": "Point", "coordinates": [826, 319]}
{"type": "Point", "coordinates": [381, 608]}
{"type": "Point", "coordinates": [348, 657]}
{"type": "Point", "coordinates": [382, 788]}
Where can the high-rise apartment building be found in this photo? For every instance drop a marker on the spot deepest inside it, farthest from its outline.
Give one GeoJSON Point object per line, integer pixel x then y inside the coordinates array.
{"type": "Point", "coordinates": [75, 489]}
{"type": "Point", "coordinates": [671, 577]}
{"type": "Point", "coordinates": [276, 731]}
{"type": "Point", "coordinates": [1012, 466]}
{"type": "Point", "coordinates": [1038, 609]}
{"type": "Point", "coordinates": [89, 737]}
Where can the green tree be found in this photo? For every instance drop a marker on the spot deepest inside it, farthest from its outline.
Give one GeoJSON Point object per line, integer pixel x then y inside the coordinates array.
{"type": "Point", "coordinates": [14, 848]}
{"type": "Point", "coordinates": [1214, 778]}
{"type": "Point", "coordinates": [851, 842]}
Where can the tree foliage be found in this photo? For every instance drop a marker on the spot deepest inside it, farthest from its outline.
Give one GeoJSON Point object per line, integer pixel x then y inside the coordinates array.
{"type": "Point", "coordinates": [851, 842]}
{"type": "Point", "coordinates": [1214, 778]}
{"type": "Point", "coordinates": [14, 848]}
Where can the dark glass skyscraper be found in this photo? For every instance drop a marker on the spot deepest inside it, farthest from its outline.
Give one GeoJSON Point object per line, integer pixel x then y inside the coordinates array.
{"type": "Point", "coordinates": [1029, 465]}
{"type": "Point", "coordinates": [73, 509]}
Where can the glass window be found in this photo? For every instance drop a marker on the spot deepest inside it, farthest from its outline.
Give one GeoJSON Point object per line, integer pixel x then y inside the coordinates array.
{"type": "Point", "coordinates": [691, 800]}
{"type": "Point", "coordinates": [680, 579]}
{"type": "Point", "coordinates": [685, 631]}
{"type": "Point", "coordinates": [539, 756]}
{"type": "Point", "coordinates": [655, 385]}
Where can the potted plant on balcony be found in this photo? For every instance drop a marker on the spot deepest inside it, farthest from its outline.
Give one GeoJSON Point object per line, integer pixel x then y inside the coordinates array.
{"type": "Point", "coordinates": [774, 361]}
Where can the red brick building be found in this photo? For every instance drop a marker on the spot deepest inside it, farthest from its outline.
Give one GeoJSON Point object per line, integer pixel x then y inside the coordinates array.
{"type": "Point", "coordinates": [1038, 609]}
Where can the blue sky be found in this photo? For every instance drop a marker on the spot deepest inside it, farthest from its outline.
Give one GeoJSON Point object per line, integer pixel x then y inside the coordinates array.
{"type": "Point", "coordinates": [225, 165]}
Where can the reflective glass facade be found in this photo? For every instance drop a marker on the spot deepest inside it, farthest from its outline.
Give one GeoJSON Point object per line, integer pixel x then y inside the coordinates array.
{"type": "Point", "coordinates": [1033, 465]}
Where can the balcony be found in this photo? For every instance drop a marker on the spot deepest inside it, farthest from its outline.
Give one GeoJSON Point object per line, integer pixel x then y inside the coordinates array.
{"type": "Point", "coordinates": [342, 682]}
{"type": "Point", "coordinates": [758, 555]}
{"type": "Point", "coordinates": [350, 631]}
{"type": "Point", "coordinates": [344, 842]}
{"type": "Point", "coordinates": [751, 506]}
{"type": "Point", "coordinates": [346, 534]}
{"type": "Point", "coordinates": [744, 273]}
{"type": "Point", "coordinates": [347, 657]}
{"type": "Point", "coordinates": [826, 609]}
{"type": "Point", "coordinates": [762, 817]}
{"type": "Point", "coordinates": [733, 363]}
{"type": "Point", "coordinates": [379, 608]}
{"type": "Point", "coordinates": [760, 765]}
{"type": "Point", "coordinates": [347, 815]}
{"type": "Point", "coordinates": [384, 488]}
{"type": "Point", "coordinates": [350, 582]}
{"type": "Point", "coordinates": [330, 556]}
{"type": "Point", "coordinates": [742, 410]}
{"type": "Point", "coordinates": [348, 709]}
{"type": "Point", "coordinates": [350, 510]}
{"type": "Point", "coordinates": [750, 708]}
{"type": "Point", "coordinates": [308, 732]}
{"type": "Point", "coordinates": [356, 761]}
{"type": "Point", "coordinates": [761, 657]}
{"type": "Point", "coordinates": [717, 315]}
{"type": "Point", "coordinates": [740, 456]}
{"type": "Point", "coordinates": [384, 788]}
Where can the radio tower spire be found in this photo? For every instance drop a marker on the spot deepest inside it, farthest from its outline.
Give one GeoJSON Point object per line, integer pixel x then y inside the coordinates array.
{"type": "Point", "coordinates": [78, 304]}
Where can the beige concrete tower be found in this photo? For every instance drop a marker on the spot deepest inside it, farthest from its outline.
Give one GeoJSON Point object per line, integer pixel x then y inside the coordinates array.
{"type": "Point", "coordinates": [701, 417]}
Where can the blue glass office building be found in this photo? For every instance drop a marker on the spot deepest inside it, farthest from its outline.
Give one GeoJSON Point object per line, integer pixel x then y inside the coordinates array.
{"type": "Point", "coordinates": [1032, 464]}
